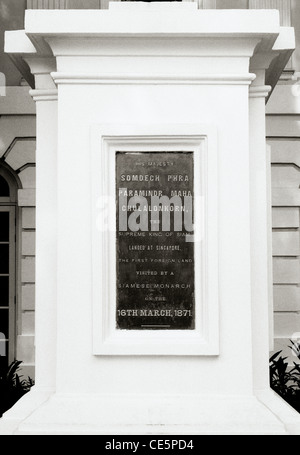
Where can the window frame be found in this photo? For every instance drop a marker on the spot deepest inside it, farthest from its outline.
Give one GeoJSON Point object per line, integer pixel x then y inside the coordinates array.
{"type": "Point", "coordinates": [8, 204]}
{"type": "Point", "coordinates": [106, 140]}
{"type": "Point", "coordinates": [11, 281]}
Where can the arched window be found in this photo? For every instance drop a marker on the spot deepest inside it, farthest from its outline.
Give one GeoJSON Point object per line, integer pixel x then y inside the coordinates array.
{"type": "Point", "coordinates": [4, 187]}
{"type": "Point", "coordinates": [8, 198]}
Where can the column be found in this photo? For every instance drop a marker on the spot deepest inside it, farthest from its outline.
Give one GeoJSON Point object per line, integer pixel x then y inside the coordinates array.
{"type": "Point", "coordinates": [261, 272]}
{"type": "Point", "coordinates": [45, 96]}
{"type": "Point", "coordinates": [260, 231]}
{"type": "Point", "coordinates": [46, 105]}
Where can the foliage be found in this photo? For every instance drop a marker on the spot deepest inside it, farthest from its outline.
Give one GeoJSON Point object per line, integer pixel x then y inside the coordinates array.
{"type": "Point", "coordinates": [12, 386]}
{"type": "Point", "coordinates": [295, 348]}
{"type": "Point", "coordinates": [285, 379]}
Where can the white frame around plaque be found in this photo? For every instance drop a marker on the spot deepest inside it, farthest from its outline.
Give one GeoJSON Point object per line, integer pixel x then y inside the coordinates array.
{"type": "Point", "coordinates": [106, 140]}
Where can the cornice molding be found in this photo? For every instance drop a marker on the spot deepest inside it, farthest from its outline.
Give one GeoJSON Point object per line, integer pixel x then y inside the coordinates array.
{"type": "Point", "coordinates": [44, 95]}
{"type": "Point", "coordinates": [162, 79]}
{"type": "Point", "coordinates": [259, 91]}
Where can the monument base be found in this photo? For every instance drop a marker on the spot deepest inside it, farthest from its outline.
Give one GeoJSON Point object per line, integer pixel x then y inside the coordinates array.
{"type": "Point", "coordinates": [90, 414]}
{"type": "Point", "coordinates": [161, 80]}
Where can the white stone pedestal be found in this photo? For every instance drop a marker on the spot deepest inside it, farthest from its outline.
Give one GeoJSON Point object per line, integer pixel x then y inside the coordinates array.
{"type": "Point", "coordinates": [137, 70]}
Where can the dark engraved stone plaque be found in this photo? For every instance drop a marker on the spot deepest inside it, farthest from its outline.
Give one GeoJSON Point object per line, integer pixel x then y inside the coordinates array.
{"type": "Point", "coordinates": [155, 248]}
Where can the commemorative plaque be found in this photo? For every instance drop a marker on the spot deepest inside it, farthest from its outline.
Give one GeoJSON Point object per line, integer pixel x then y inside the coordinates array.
{"type": "Point", "coordinates": [155, 248]}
